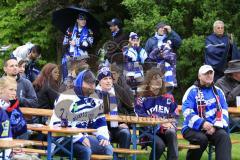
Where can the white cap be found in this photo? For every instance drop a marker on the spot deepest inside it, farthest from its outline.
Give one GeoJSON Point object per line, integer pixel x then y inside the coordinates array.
{"type": "Point", "coordinates": [204, 69]}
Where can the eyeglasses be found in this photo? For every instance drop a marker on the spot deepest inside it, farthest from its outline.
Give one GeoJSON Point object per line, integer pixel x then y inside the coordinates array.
{"type": "Point", "coordinates": [220, 27]}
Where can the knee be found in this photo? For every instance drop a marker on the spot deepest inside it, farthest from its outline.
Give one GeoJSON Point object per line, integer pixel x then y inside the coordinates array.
{"type": "Point", "coordinates": [160, 146]}
{"type": "Point", "coordinates": [223, 136]}
{"type": "Point", "coordinates": [171, 133]}
{"type": "Point", "coordinates": [203, 141]}
{"type": "Point", "coordinates": [86, 152]}
{"type": "Point", "coordinates": [108, 150]}
{"type": "Point", "coordinates": [125, 133]}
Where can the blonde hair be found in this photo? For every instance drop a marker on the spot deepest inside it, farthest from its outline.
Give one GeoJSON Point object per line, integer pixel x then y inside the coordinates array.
{"type": "Point", "coordinates": [7, 81]}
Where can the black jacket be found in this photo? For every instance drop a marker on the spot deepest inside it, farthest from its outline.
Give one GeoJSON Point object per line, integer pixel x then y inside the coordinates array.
{"type": "Point", "coordinates": [231, 89]}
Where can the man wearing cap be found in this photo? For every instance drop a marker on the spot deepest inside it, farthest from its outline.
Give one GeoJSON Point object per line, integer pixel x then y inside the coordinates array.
{"type": "Point", "coordinates": [119, 39]}
{"type": "Point", "coordinates": [205, 114]}
{"type": "Point", "coordinates": [230, 84]}
{"type": "Point", "coordinates": [83, 144]}
{"type": "Point", "coordinates": [162, 35]}
{"type": "Point", "coordinates": [77, 40]}
{"type": "Point", "coordinates": [219, 49]}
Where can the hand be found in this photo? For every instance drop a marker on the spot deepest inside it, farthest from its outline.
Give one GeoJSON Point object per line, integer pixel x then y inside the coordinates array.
{"type": "Point", "coordinates": [207, 126]}
{"type": "Point", "coordinates": [73, 43]}
{"type": "Point", "coordinates": [123, 125]}
{"type": "Point", "coordinates": [167, 125]}
{"type": "Point", "coordinates": [168, 28]}
{"type": "Point", "coordinates": [211, 131]}
{"type": "Point", "coordinates": [104, 142]}
{"type": "Point", "coordinates": [86, 142]}
{"type": "Point", "coordinates": [84, 44]}
{"type": "Point", "coordinates": [138, 42]}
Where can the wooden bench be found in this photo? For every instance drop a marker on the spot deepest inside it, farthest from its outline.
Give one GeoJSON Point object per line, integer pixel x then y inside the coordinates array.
{"type": "Point", "coordinates": [44, 152]}
{"type": "Point", "coordinates": [48, 113]}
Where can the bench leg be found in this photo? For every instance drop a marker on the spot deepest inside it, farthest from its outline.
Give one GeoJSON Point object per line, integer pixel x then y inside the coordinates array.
{"type": "Point", "coordinates": [210, 151]}
{"type": "Point", "coordinates": [134, 140]}
{"type": "Point", "coordinates": [49, 140]}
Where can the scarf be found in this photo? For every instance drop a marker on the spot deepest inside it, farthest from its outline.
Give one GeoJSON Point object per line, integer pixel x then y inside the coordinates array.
{"type": "Point", "coordinates": [201, 104]}
{"type": "Point", "coordinates": [80, 35]}
{"type": "Point", "coordinates": [160, 39]}
{"type": "Point", "coordinates": [112, 102]}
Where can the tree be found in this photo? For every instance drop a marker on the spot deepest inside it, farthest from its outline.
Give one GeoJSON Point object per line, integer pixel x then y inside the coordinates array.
{"type": "Point", "coordinates": [192, 19]}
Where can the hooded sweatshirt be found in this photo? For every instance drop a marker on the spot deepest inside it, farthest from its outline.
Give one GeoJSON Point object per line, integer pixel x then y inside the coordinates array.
{"type": "Point", "coordinates": [99, 123]}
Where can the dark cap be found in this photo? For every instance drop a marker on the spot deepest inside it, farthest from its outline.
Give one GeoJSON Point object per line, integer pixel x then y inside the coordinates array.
{"type": "Point", "coordinates": [160, 25]}
{"type": "Point", "coordinates": [82, 17]}
{"type": "Point", "coordinates": [89, 77]}
{"type": "Point", "coordinates": [114, 22]}
{"type": "Point", "coordinates": [233, 66]}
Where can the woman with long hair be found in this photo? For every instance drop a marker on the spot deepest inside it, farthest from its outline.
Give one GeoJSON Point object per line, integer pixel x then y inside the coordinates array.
{"type": "Point", "coordinates": [47, 85]}
{"type": "Point", "coordinates": [152, 101]}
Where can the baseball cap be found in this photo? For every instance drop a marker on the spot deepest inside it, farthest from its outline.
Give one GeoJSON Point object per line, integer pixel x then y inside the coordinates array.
{"type": "Point", "coordinates": [82, 17]}
{"type": "Point", "coordinates": [114, 22]}
{"type": "Point", "coordinates": [204, 69]}
{"type": "Point", "coordinates": [133, 35]}
{"type": "Point", "coordinates": [160, 25]}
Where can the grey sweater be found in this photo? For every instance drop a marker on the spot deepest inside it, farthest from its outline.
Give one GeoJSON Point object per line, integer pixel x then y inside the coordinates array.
{"type": "Point", "coordinates": [26, 93]}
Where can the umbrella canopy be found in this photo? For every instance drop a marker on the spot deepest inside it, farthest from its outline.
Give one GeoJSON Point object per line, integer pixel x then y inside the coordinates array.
{"type": "Point", "coordinates": [66, 17]}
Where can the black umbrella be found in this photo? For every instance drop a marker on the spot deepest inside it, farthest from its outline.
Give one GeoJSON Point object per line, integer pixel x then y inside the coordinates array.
{"type": "Point", "coordinates": [66, 17]}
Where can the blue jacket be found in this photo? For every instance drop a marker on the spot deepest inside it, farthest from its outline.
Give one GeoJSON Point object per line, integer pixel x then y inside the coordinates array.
{"type": "Point", "coordinates": [153, 42]}
{"type": "Point", "coordinates": [218, 50]}
{"type": "Point", "coordinates": [190, 110]}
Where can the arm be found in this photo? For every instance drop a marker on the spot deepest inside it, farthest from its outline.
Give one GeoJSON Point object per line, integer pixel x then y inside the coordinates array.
{"type": "Point", "coordinates": [29, 98]}
{"type": "Point", "coordinates": [139, 107]}
{"type": "Point", "coordinates": [102, 130]}
{"type": "Point", "coordinates": [225, 118]}
{"type": "Point", "coordinates": [124, 93]}
{"type": "Point", "coordinates": [176, 39]}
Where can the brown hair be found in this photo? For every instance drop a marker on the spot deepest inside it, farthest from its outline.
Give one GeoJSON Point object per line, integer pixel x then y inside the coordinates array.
{"type": "Point", "coordinates": [45, 77]}
{"type": "Point", "coordinates": [144, 89]}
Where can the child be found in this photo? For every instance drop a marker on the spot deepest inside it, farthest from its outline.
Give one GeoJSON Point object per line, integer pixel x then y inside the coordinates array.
{"type": "Point", "coordinates": [9, 102]}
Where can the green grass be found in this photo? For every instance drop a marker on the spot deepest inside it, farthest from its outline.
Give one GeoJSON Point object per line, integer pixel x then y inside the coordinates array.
{"type": "Point", "coordinates": [182, 153]}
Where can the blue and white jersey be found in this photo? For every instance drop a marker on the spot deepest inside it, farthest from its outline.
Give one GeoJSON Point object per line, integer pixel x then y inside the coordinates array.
{"type": "Point", "coordinates": [135, 55]}
{"type": "Point", "coordinates": [99, 123]}
{"type": "Point", "coordinates": [157, 106]}
{"type": "Point", "coordinates": [190, 109]}
{"type": "Point", "coordinates": [5, 127]}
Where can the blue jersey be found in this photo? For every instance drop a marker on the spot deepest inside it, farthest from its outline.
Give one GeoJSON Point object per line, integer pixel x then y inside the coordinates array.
{"type": "Point", "coordinates": [192, 119]}
{"type": "Point", "coordinates": [5, 127]}
{"type": "Point", "coordinates": [159, 106]}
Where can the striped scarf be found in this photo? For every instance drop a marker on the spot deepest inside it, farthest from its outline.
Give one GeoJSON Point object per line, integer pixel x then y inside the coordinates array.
{"type": "Point", "coordinates": [112, 100]}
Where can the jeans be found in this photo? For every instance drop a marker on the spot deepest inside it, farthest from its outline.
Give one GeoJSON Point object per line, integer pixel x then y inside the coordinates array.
{"type": "Point", "coordinates": [82, 152]}
{"type": "Point", "coordinates": [220, 139]}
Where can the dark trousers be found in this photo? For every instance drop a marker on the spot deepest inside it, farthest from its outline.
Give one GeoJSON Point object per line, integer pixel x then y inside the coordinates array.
{"type": "Point", "coordinates": [121, 135]}
{"type": "Point", "coordinates": [167, 139]}
{"type": "Point", "coordinates": [220, 139]}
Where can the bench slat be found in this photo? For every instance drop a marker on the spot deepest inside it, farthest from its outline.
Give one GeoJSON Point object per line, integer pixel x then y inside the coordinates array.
{"type": "Point", "coordinates": [44, 152]}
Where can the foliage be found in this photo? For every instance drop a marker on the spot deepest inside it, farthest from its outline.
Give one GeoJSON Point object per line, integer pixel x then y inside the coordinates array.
{"type": "Point", "coordinates": [30, 20]}
{"type": "Point", "coordinates": [192, 19]}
